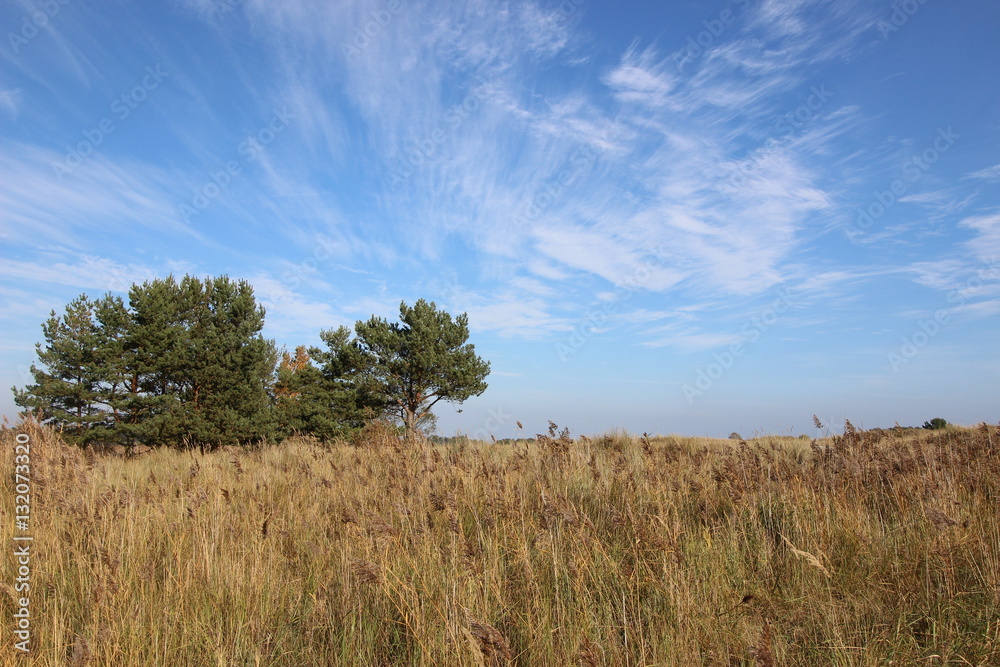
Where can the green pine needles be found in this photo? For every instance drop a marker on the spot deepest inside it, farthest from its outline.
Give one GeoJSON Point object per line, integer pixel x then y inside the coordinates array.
{"type": "Point", "coordinates": [419, 361]}
{"type": "Point", "coordinates": [184, 363]}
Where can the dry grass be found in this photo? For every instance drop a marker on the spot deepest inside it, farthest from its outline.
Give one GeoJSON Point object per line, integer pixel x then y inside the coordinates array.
{"type": "Point", "coordinates": [869, 549]}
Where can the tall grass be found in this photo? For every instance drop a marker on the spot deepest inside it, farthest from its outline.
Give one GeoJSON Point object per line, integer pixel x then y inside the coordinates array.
{"type": "Point", "coordinates": [868, 549]}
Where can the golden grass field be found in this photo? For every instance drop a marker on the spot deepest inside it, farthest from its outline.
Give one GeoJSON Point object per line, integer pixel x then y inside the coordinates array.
{"type": "Point", "coordinates": [871, 548]}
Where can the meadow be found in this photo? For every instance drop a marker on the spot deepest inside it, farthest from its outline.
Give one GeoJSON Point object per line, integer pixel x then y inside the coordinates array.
{"type": "Point", "coordinates": [871, 548]}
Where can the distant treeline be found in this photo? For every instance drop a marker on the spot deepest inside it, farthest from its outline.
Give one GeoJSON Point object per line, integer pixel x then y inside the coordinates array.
{"type": "Point", "coordinates": [185, 363]}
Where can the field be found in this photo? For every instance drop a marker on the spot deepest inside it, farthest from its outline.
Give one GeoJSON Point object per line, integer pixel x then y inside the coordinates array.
{"type": "Point", "coordinates": [872, 548]}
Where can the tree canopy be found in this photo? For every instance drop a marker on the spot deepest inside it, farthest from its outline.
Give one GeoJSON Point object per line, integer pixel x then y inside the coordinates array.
{"type": "Point", "coordinates": [185, 363]}
{"type": "Point", "coordinates": [420, 360]}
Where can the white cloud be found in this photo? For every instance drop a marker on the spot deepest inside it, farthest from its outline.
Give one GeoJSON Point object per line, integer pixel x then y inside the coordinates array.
{"type": "Point", "coordinates": [515, 318]}
{"type": "Point", "coordinates": [37, 203]}
{"type": "Point", "coordinates": [641, 79]}
{"type": "Point", "coordinates": [10, 102]}
{"type": "Point", "coordinates": [987, 174]}
{"type": "Point", "coordinates": [986, 245]}
{"type": "Point", "coordinates": [84, 272]}
{"type": "Point", "coordinates": [690, 340]}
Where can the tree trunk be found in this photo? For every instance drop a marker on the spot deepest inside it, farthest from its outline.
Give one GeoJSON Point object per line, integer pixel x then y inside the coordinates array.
{"type": "Point", "coordinates": [410, 423]}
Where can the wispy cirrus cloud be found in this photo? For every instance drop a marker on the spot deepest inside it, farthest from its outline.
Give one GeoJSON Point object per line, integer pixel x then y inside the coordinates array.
{"type": "Point", "coordinates": [10, 102]}
{"type": "Point", "coordinates": [480, 146]}
{"type": "Point", "coordinates": [986, 244]}
{"type": "Point", "coordinates": [86, 273]}
{"type": "Point", "coordinates": [477, 164]}
{"type": "Point", "coordinates": [642, 78]}
{"type": "Point", "coordinates": [987, 174]}
{"type": "Point", "coordinates": [35, 202]}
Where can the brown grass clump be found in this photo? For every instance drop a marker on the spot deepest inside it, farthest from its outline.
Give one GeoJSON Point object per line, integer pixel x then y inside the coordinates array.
{"type": "Point", "coordinates": [870, 548]}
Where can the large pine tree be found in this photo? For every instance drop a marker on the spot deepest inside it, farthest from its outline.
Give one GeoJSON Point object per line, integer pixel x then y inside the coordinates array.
{"type": "Point", "coordinates": [156, 337]}
{"type": "Point", "coordinates": [204, 369]}
{"type": "Point", "coordinates": [114, 361]}
{"type": "Point", "coordinates": [184, 364]}
{"type": "Point", "coordinates": [230, 367]}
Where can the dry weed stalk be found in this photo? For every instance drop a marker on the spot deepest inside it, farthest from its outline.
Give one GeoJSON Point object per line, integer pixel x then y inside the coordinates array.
{"type": "Point", "coordinates": [81, 653]}
{"type": "Point", "coordinates": [490, 641]}
{"type": "Point", "coordinates": [808, 557]}
{"type": "Point", "coordinates": [624, 553]}
{"type": "Point", "coordinates": [763, 652]}
{"type": "Point", "coordinates": [367, 572]}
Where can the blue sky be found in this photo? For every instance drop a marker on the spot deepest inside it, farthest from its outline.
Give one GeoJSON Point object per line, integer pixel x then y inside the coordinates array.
{"type": "Point", "coordinates": [673, 217]}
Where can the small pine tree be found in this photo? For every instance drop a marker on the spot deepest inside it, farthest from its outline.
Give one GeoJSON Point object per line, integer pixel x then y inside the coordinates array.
{"type": "Point", "coordinates": [419, 361]}
{"type": "Point", "coordinates": [67, 388]}
{"type": "Point", "coordinates": [301, 401]}
{"type": "Point", "coordinates": [331, 397]}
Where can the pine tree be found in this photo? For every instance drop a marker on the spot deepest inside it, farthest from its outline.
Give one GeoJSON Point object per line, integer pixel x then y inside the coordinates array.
{"type": "Point", "coordinates": [115, 364]}
{"type": "Point", "coordinates": [204, 370]}
{"type": "Point", "coordinates": [67, 390]}
{"type": "Point", "coordinates": [330, 399]}
{"type": "Point", "coordinates": [230, 366]}
{"type": "Point", "coordinates": [301, 402]}
{"type": "Point", "coordinates": [156, 339]}
{"type": "Point", "coordinates": [184, 363]}
{"type": "Point", "coordinates": [420, 360]}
